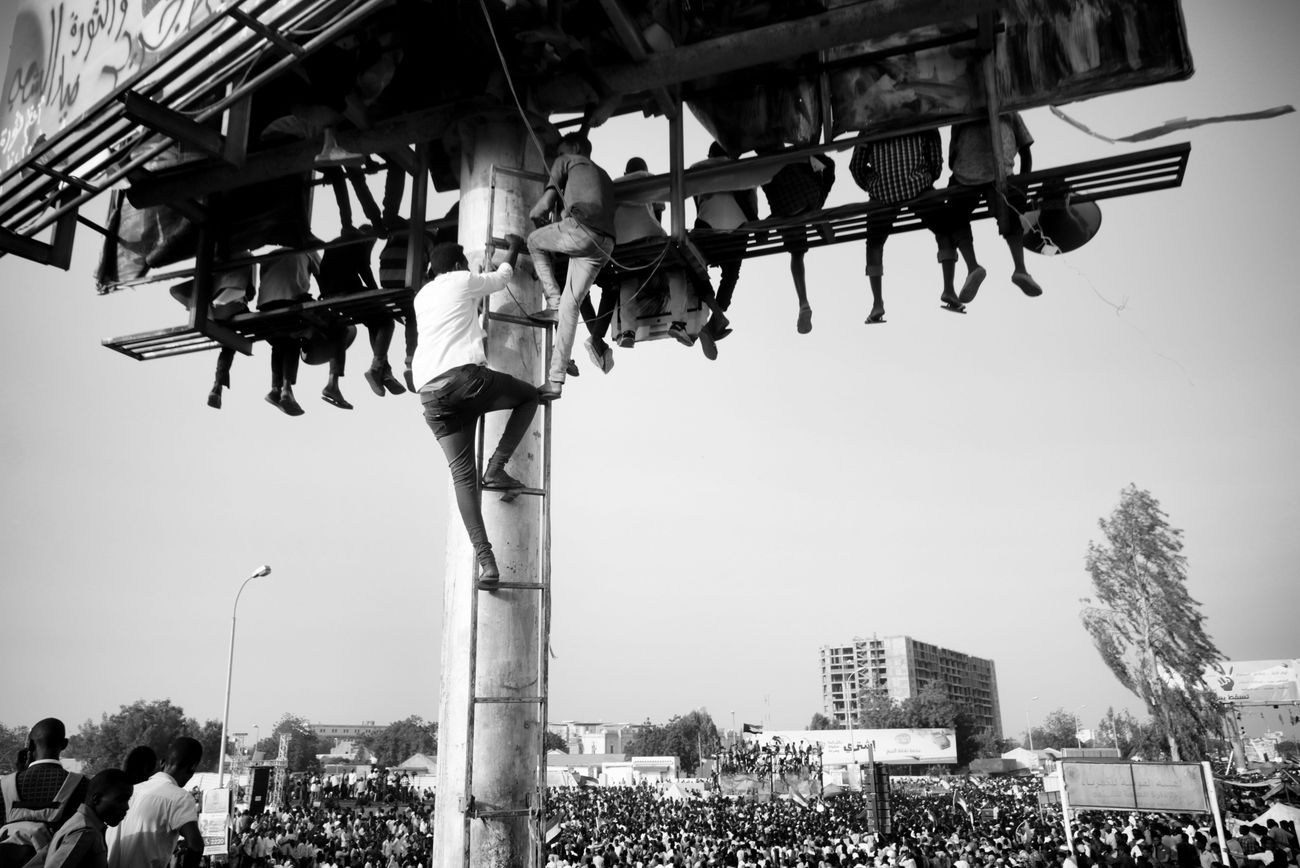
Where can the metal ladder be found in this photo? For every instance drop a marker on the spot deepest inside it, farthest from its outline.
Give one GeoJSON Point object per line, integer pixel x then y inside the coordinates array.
{"type": "Point", "coordinates": [536, 811]}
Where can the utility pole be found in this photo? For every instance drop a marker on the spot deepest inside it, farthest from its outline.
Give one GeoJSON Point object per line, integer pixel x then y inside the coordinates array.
{"type": "Point", "coordinates": [503, 745]}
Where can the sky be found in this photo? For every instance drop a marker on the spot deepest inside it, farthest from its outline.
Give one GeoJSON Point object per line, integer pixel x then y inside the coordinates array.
{"type": "Point", "coordinates": [714, 524]}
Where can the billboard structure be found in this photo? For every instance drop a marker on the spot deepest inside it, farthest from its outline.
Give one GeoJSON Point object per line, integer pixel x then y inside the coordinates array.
{"type": "Point", "coordinates": [889, 746]}
{"type": "Point", "coordinates": [1244, 682]}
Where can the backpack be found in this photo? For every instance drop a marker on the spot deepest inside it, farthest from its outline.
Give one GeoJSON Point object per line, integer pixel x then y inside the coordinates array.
{"type": "Point", "coordinates": [29, 827]}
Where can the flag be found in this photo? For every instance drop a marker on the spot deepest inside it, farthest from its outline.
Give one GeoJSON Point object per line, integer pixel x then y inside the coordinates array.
{"type": "Point", "coordinates": [798, 798]}
{"type": "Point", "coordinates": [751, 728]}
{"type": "Point", "coordinates": [552, 828]}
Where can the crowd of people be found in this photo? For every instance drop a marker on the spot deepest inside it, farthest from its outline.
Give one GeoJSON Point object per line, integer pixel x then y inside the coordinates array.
{"type": "Point", "coordinates": [141, 816]}
{"type": "Point", "coordinates": [771, 758]}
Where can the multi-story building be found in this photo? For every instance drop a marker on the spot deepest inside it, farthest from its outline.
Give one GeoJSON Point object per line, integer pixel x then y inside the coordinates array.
{"type": "Point", "coordinates": [594, 737]}
{"type": "Point", "coordinates": [346, 730]}
{"type": "Point", "coordinates": [901, 667]}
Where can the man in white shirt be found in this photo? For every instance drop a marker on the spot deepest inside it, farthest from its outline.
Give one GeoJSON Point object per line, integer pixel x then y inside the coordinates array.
{"type": "Point", "coordinates": [161, 811]}
{"type": "Point", "coordinates": [457, 386]}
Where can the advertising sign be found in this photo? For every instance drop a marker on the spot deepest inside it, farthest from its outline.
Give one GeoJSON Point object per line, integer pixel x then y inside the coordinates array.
{"type": "Point", "coordinates": [896, 746]}
{"type": "Point", "coordinates": [1160, 787]}
{"type": "Point", "coordinates": [214, 821]}
{"type": "Point", "coordinates": [1266, 681]}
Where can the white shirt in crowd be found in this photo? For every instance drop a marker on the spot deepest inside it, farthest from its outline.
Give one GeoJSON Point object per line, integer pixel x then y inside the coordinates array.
{"type": "Point", "coordinates": [446, 312]}
{"type": "Point", "coordinates": [158, 810]}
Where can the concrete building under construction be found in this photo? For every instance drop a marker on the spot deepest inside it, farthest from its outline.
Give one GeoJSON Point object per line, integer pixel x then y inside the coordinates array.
{"type": "Point", "coordinates": [901, 667]}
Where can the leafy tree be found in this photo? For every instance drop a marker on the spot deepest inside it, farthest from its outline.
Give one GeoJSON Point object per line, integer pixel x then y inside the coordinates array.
{"type": "Point", "coordinates": [156, 724]}
{"type": "Point", "coordinates": [12, 740]}
{"type": "Point", "coordinates": [879, 711]}
{"type": "Point", "coordinates": [685, 737]}
{"type": "Point", "coordinates": [398, 741]}
{"type": "Point", "coordinates": [303, 743]}
{"type": "Point", "coordinates": [821, 721]}
{"type": "Point", "coordinates": [1134, 738]}
{"type": "Point", "coordinates": [554, 741]}
{"type": "Point", "coordinates": [1057, 730]}
{"type": "Point", "coordinates": [1145, 624]}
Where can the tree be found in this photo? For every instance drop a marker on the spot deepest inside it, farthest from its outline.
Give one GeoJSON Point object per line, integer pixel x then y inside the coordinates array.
{"type": "Point", "coordinates": [685, 737]}
{"type": "Point", "coordinates": [879, 711]}
{"type": "Point", "coordinates": [155, 724]}
{"type": "Point", "coordinates": [400, 740]}
{"type": "Point", "coordinates": [1145, 624]}
{"type": "Point", "coordinates": [554, 741]}
{"type": "Point", "coordinates": [1134, 738]}
{"type": "Point", "coordinates": [12, 740]}
{"type": "Point", "coordinates": [820, 721]}
{"type": "Point", "coordinates": [303, 743]}
{"type": "Point", "coordinates": [1057, 730]}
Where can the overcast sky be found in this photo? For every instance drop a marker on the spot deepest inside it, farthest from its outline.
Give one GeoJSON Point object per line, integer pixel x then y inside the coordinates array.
{"type": "Point", "coordinates": [939, 476]}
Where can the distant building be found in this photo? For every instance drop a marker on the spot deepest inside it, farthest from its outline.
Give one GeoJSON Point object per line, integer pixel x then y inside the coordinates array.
{"type": "Point", "coordinates": [900, 667]}
{"type": "Point", "coordinates": [595, 737]}
{"type": "Point", "coordinates": [346, 730]}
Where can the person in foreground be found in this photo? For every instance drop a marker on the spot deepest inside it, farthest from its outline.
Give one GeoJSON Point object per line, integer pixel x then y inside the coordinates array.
{"type": "Point", "coordinates": [457, 386]}
{"type": "Point", "coordinates": [80, 842]}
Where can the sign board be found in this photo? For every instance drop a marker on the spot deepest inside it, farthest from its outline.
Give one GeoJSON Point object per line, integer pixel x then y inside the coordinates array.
{"type": "Point", "coordinates": [1266, 681]}
{"type": "Point", "coordinates": [214, 821]}
{"type": "Point", "coordinates": [1157, 787]}
{"type": "Point", "coordinates": [892, 746]}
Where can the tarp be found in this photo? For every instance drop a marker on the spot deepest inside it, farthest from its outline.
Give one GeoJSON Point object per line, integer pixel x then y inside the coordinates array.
{"type": "Point", "coordinates": [1279, 811]}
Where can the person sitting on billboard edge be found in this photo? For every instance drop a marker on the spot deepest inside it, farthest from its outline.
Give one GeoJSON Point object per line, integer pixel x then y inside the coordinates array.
{"type": "Point", "coordinates": [457, 386]}
{"type": "Point", "coordinates": [584, 194]}
{"type": "Point", "coordinates": [970, 156]}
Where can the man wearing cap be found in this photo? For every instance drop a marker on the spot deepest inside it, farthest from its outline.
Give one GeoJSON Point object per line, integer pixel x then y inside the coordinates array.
{"type": "Point", "coordinates": [457, 386]}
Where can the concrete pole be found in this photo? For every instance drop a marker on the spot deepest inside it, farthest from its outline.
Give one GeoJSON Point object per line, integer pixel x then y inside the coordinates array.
{"type": "Point", "coordinates": [504, 739]}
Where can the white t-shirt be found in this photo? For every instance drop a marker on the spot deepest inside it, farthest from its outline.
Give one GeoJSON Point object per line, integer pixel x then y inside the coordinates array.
{"type": "Point", "coordinates": [158, 810]}
{"type": "Point", "coordinates": [446, 312]}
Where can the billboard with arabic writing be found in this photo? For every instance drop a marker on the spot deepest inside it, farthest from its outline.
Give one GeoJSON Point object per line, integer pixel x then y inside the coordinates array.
{"type": "Point", "coordinates": [1267, 681]}
{"type": "Point", "coordinates": [896, 746]}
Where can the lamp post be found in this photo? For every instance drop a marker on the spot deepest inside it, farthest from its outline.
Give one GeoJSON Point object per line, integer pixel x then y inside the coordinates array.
{"type": "Point", "coordinates": [263, 570]}
{"type": "Point", "coordinates": [257, 738]}
{"type": "Point", "coordinates": [1029, 727]}
{"type": "Point", "coordinates": [1078, 742]}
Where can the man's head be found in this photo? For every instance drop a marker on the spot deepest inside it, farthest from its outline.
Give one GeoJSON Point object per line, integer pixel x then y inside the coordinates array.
{"type": "Point", "coordinates": [183, 757]}
{"type": "Point", "coordinates": [108, 795]}
{"type": "Point", "coordinates": [575, 143]}
{"type": "Point", "coordinates": [447, 257]}
{"type": "Point", "coordinates": [140, 764]}
{"type": "Point", "coordinates": [47, 740]}
{"type": "Point", "coordinates": [636, 164]}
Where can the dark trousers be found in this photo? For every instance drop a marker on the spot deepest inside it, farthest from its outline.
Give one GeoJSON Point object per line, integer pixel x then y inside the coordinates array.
{"type": "Point", "coordinates": [284, 362]}
{"type": "Point", "coordinates": [452, 413]}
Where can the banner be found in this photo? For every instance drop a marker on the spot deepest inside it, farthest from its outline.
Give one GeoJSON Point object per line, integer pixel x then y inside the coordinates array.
{"type": "Point", "coordinates": [895, 746]}
{"type": "Point", "coordinates": [1266, 681]}
{"type": "Point", "coordinates": [1159, 787]}
{"type": "Point", "coordinates": [214, 821]}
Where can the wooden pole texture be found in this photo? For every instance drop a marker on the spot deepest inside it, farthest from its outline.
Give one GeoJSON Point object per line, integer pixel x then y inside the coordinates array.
{"type": "Point", "coordinates": [502, 739]}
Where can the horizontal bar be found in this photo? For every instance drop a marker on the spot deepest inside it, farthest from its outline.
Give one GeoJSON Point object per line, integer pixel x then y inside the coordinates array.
{"type": "Point", "coordinates": [504, 812]}
{"type": "Point", "coordinates": [511, 586]}
{"type": "Point", "coordinates": [519, 320]}
{"type": "Point", "coordinates": [509, 700]}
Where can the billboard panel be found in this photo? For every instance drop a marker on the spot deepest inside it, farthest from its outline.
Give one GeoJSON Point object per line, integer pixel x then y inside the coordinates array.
{"type": "Point", "coordinates": [1266, 681]}
{"type": "Point", "coordinates": [895, 746]}
{"type": "Point", "coordinates": [1161, 787]}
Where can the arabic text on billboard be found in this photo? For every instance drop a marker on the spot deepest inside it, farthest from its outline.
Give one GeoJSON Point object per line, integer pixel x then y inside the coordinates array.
{"type": "Point", "coordinates": [896, 746]}
{"type": "Point", "coordinates": [1255, 680]}
{"type": "Point", "coordinates": [1162, 787]}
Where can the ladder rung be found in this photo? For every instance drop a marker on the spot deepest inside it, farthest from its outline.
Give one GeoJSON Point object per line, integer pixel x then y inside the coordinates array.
{"type": "Point", "coordinates": [504, 812]}
{"type": "Point", "coordinates": [515, 492]}
{"type": "Point", "coordinates": [509, 586]}
{"type": "Point", "coordinates": [517, 319]}
{"type": "Point", "coordinates": [509, 700]}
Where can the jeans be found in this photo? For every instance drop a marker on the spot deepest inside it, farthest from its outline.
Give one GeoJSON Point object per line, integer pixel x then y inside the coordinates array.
{"type": "Point", "coordinates": [453, 411]}
{"type": "Point", "coordinates": [587, 251]}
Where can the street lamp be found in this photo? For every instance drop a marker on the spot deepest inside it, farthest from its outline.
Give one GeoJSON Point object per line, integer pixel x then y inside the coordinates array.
{"type": "Point", "coordinates": [257, 737]}
{"type": "Point", "coordinates": [261, 571]}
{"type": "Point", "coordinates": [1029, 728]}
{"type": "Point", "coordinates": [1078, 742]}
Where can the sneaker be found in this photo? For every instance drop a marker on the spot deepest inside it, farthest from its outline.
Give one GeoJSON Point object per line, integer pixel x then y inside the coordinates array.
{"type": "Point", "coordinates": [603, 360]}
{"type": "Point", "coordinates": [677, 331]}
{"type": "Point", "coordinates": [974, 278]}
{"type": "Point", "coordinates": [708, 345]}
{"type": "Point", "coordinates": [1027, 284]}
{"type": "Point", "coordinates": [290, 405]}
{"type": "Point", "coordinates": [803, 325]}
{"type": "Point", "coordinates": [214, 398]}
{"type": "Point", "coordinates": [550, 391]}
{"type": "Point", "coordinates": [375, 378]}
{"type": "Point", "coordinates": [571, 369]}
{"type": "Point", "coordinates": [626, 340]}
